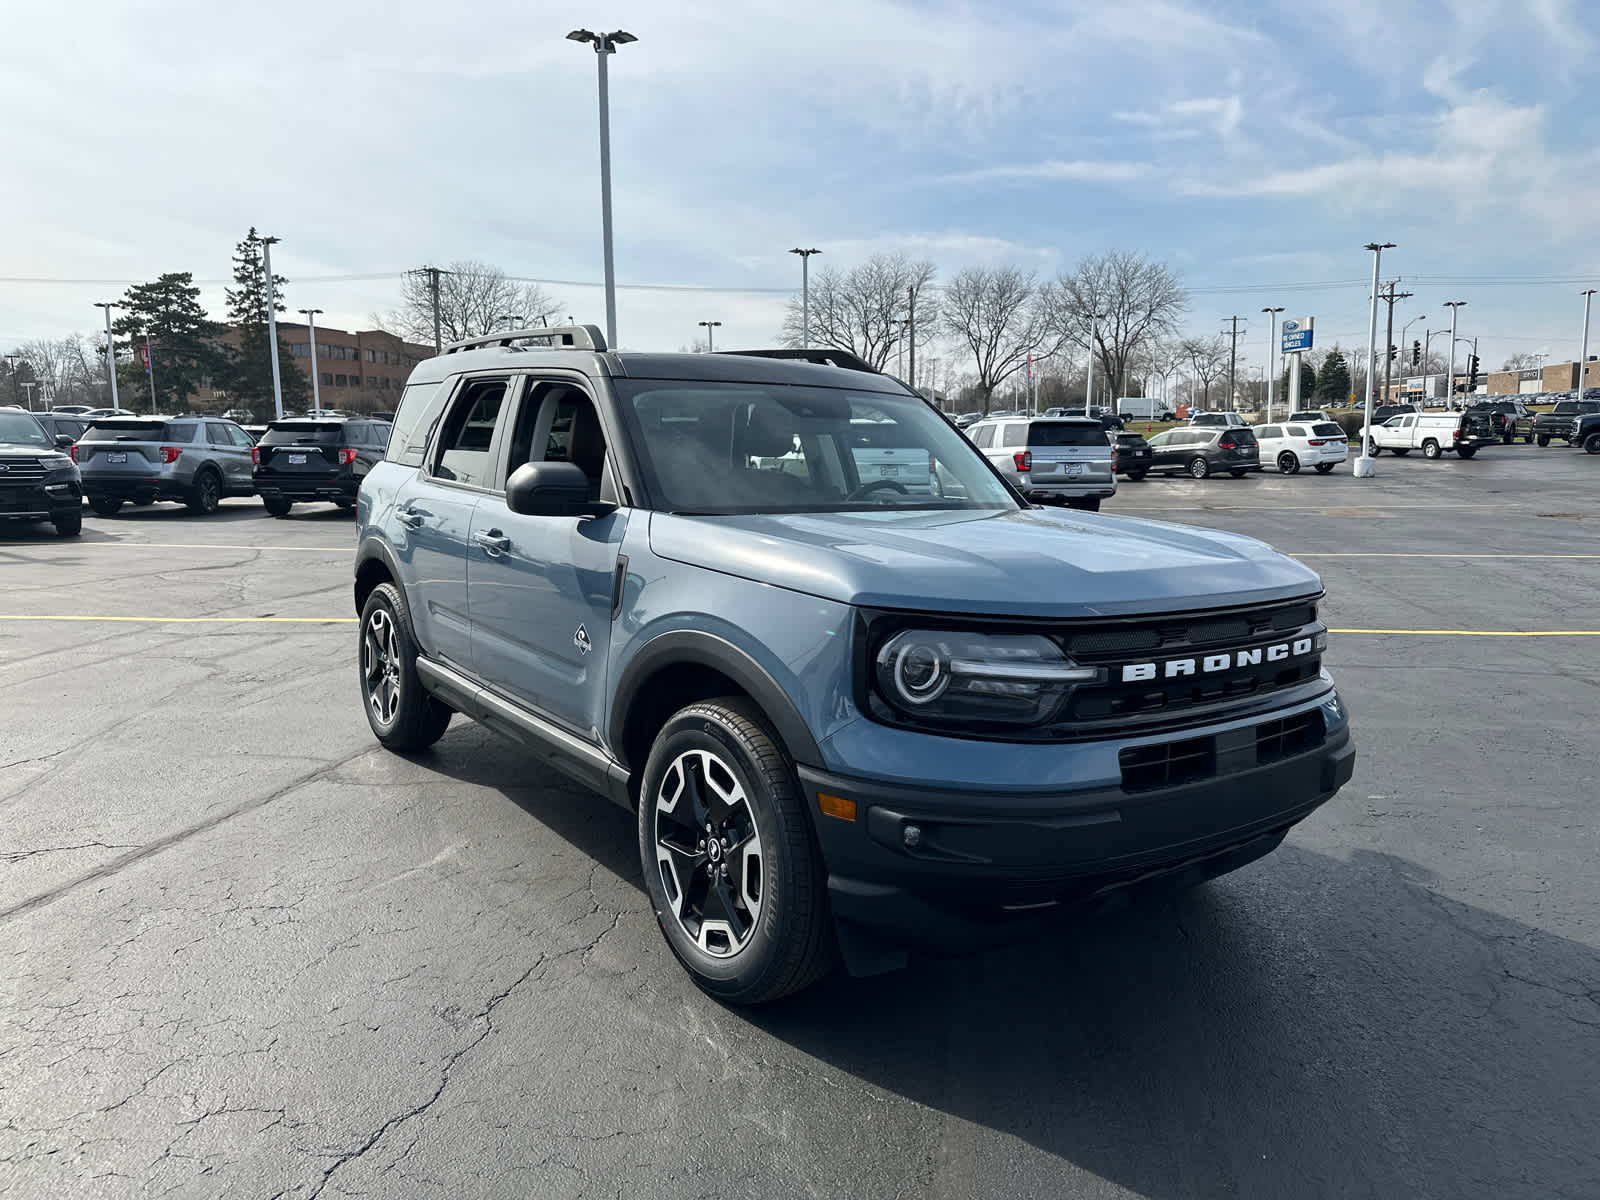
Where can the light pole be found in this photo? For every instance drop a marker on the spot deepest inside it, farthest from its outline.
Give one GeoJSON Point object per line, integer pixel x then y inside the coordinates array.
{"type": "Point", "coordinates": [1364, 467]}
{"type": "Point", "coordinates": [1406, 327]}
{"type": "Point", "coordinates": [272, 328]}
{"type": "Point", "coordinates": [1541, 355]}
{"type": "Point", "coordinates": [1450, 368]}
{"type": "Point", "coordinates": [1583, 350]}
{"type": "Point", "coordinates": [1427, 357]}
{"type": "Point", "coordinates": [316, 384]}
{"type": "Point", "coordinates": [805, 294]}
{"type": "Point", "coordinates": [111, 358]}
{"type": "Point", "coordinates": [710, 328]}
{"type": "Point", "coordinates": [1094, 336]}
{"type": "Point", "coordinates": [605, 45]}
{"type": "Point", "coordinates": [16, 390]}
{"type": "Point", "coordinates": [1272, 346]}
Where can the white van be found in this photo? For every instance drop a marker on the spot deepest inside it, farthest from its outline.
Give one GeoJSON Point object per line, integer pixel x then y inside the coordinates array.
{"type": "Point", "coordinates": [1143, 408]}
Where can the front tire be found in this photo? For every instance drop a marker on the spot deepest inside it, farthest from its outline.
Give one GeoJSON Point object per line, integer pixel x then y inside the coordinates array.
{"type": "Point", "coordinates": [1199, 468]}
{"type": "Point", "coordinates": [1544, 439]}
{"type": "Point", "coordinates": [1324, 468]}
{"type": "Point", "coordinates": [276, 506]}
{"type": "Point", "coordinates": [106, 506]}
{"type": "Point", "coordinates": [1591, 444]}
{"type": "Point", "coordinates": [205, 494]}
{"type": "Point", "coordinates": [69, 524]}
{"type": "Point", "coordinates": [402, 714]}
{"type": "Point", "coordinates": [748, 916]}
{"type": "Point", "coordinates": [1288, 463]}
{"type": "Point", "coordinates": [1466, 451]}
{"type": "Point", "coordinates": [1136, 476]}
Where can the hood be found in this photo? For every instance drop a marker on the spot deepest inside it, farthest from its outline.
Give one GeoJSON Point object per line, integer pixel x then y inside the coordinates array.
{"type": "Point", "coordinates": [1028, 563]}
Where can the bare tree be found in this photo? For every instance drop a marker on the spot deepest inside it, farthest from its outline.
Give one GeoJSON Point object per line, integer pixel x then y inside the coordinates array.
{"type": "Point", "coordinates": [864, 310]}
{"type": "Point", "coordinates": [999, 315]}
{"type": "Point", "coordinates": [68, 370]}
{"type": "Point", "coordinates": [1137, 301]}
{"type": "Point", "coordinates": [1207, 359]}
{"type": "Point", "coordinates": [475, 298]}
{"type": "Point", "coordinates": [1524, 361]}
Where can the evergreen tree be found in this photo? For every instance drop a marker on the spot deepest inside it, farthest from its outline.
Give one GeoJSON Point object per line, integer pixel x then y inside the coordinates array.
{"type": "Point", "coordinates": [248, 375]}
{"type": "Point", "coordinates": [169, 315]}
{"type": "Point", "coordinates": [1308, 383]}
{"type": "Point", "coordinates": [1334, 386]}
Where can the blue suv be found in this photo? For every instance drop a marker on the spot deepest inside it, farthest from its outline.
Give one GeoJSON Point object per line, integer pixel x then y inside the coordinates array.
{"type": "Point", "coordinates": [856, 712]}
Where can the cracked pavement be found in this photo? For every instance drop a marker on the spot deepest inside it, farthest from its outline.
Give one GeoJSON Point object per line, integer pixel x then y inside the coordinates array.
{"type": "Point", "coordinates": [246, 953]}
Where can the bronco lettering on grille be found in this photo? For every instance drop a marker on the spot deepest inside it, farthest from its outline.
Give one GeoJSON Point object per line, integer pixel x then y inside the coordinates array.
{"type": "Point", "coordinates": [1212, 664]}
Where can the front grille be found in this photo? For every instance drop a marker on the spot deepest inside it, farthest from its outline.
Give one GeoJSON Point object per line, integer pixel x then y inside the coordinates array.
{"type": "Point", "coordinates": [1168, 764]}
{"type": "Point", "coordinates": [21, 472]}
{"type": "Point", "coordinates": [1289, 736]}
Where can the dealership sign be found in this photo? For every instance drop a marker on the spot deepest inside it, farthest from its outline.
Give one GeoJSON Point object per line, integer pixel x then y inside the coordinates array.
{"type": "Point", "coordinates": [1297, 334]}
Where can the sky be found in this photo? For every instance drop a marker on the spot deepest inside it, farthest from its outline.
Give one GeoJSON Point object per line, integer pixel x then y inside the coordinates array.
{"type": "Point", "coordinates": [1254, 146]}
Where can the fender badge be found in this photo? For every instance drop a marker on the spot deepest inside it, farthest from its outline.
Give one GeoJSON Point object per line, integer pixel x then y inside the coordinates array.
{"type": "Point", "coordinates": [581, 640]}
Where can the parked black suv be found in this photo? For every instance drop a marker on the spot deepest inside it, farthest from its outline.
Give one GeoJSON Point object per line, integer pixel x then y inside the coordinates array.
{"type": "Point", "coordinates": [1130, 455]}
{"type": "Point", "coordinates": [38, 479]}
{"type": "Point", "coordinates": [305, 459]}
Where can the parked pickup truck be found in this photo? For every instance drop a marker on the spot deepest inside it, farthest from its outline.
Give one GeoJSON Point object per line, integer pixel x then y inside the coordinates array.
{"type": "Point", "coordinates": [1561, 421]}
{"type": "Point", "coordinates": [1512, 419]}
{"type": "Point", "coordinates": [1587, 433]}
{"type": "Point", "coordinates": [1434, 433]}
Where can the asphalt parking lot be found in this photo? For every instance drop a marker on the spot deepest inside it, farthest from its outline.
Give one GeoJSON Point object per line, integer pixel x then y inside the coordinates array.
{"type": "Point", "coordinates": [250, 954]}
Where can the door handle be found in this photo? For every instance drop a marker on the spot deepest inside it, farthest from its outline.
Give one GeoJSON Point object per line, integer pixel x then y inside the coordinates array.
{"type": "Point", "coordinates": [493, 541]}
{"type": "Point", "coordinates": [408, 518]}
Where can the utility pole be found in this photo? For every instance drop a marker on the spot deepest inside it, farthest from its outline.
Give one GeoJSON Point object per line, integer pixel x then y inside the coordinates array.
{"type": "Point", "coordinates": [111, 357]}
{"type": "Point", "coordinates": [911, 332]}
{"type": "Point", "coordinates": [1233, 363]}
{"type": "Point", "coordinates": [433, 293]}
{"type": "Point", "coordinates": [1388, 360]}
{"type": "Point", "coordinates": [1363, 467]}
{"type": "Point", "coordinates": [272, 328]}
{"type": "Point", "coordinates": [16, 391]}
{"type": "Point", "coordinates": [1094, 337]}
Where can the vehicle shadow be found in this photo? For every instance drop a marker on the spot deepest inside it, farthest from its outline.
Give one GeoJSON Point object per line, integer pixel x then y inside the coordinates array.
{"type": "Point", "coordinates": [1310, 1026]}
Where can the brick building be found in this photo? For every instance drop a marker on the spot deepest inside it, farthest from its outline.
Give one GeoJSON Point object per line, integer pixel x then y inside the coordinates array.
{"type": "Point", "coordinates": [359, 372]}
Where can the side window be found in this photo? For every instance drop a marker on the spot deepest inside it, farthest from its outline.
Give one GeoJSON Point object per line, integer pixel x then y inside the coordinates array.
{"type": "Point", "coordinates": [1271, 431]}
{"type": "Point", "coordinates": [984, 438]}
{"type": "Point", "coordinates": [217, 435]}
{"type": "Point", "coordinates": [239, 437]}
{"type": "Point", "coordinates": [1297, 431]}
{"type": "Point", "coordinates": [463, 450]}
{"type": "Point", "coordinates": [1016, 433]}
{"type": "Point", "coordinates": [181, 431]}
{"type": "Point", "coordinates": [414, 419]}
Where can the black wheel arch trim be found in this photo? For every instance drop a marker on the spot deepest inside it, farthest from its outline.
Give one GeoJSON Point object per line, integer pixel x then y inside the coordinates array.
{"type": "Point", "coordinates": [373, 548]}
{"type": "Point", "coordinates": [694, 648]}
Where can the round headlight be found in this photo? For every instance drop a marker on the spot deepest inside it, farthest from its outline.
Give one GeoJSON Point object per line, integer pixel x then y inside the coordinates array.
{"type": "Point", "coordinates": [919, 670]}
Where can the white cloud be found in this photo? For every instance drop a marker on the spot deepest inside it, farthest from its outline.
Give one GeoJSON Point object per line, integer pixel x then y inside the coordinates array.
{"type": "Point", "coordinates": [1079, 171]}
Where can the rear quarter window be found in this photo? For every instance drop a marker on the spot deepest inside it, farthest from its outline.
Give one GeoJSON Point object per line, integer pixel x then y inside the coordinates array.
{"type": "Point", "coordinates": [414, 420]}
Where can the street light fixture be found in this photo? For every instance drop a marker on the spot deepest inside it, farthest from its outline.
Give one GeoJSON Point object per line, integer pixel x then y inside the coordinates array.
{"type": "Point", "coordinates": [605, 45]}
{"type": "Point", "coordinates": [1094, 336]}
{"type": "Point", "coordinates": [710, 327]}
{"type": "Point", "coordinates": [805, 294]}
{"type": "Point", "coordinates": [316, 384]}
{"type": "Point", "coordinates": [1272, 346]}
{"type": "Point", "coordinates": [1364, 467]}
{"type": "Point", "coordinates": [111, 357]}
{"type": "Point", "coordinates": [512, 320]}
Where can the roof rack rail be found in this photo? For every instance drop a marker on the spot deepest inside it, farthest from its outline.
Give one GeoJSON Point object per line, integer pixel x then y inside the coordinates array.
{"type": "Point", "coordinates": [553, 337]}
{"type": "Point", "coordinates": [826, 356]}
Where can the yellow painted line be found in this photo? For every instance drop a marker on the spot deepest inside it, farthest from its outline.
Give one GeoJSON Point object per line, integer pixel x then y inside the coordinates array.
{"type": "Point", "coordinates": [183, 620]}
{"type": "Point", "coordinates": [1506, 633]}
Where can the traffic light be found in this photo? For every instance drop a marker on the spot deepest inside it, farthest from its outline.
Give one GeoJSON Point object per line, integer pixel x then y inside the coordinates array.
{"type": "Point", "coordinates": [1391, 351]}
{"type": "Point", "coordinates": [1416, 353]}
{"type": "Point", "coordinates": [1472, 372]}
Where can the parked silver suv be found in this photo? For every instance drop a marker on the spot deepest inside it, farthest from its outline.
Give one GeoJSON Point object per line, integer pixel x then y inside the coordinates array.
{"type": "Point", "coordinates": [1061, 459]}
{"type": "Point", "coordinates": [195, 460]}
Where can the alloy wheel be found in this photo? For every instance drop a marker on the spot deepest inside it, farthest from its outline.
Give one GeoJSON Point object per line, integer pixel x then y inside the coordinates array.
{"type": "Point", "coordinates": [380, 666]}
{"type": "Point", "coordinates": [708, 850]}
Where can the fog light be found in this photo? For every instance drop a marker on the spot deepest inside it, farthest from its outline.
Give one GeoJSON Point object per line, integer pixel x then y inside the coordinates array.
{"type": "Point", "coordinates": [912, 835]}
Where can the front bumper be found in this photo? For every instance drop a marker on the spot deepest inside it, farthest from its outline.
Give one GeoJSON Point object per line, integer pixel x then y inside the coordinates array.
{"type": "Point", "coordinates": [980, 869]}
{"type": "Point", "coordinates": [41, 501]}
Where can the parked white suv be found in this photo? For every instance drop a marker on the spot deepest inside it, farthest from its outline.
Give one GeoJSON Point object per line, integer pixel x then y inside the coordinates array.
{"type": "Point", "coordinates": [1295, 444]}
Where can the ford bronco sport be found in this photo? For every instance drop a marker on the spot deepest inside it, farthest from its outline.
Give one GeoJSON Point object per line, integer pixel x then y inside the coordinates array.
{"type": "Point", "coordinates": [852, 716]}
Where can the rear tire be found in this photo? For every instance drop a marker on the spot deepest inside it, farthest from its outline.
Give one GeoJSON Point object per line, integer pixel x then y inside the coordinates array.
{"type": "Point", "coordinates": [276, 506]}
{"type": "Point", "coordinates": [1324, 468]}
{"type": "Point", "coordinates": [106, 506]}
{"type": "Point", "coordinates": [69, 524]}
{"type": "Point", "coordinates": [402, 714]}
{"type": "Point", "coordinates": [1199, 468]}
{"type": "Point", "coordinates": [1288, 463]}
{"type": "Point", "coordinates": [206, 493]}
{"type": "Point", "coordinates": [1430, 449]}
{"type": "Point", "coordinates": [1085, 503]}
{"type": "Point", "coordinates": [1591, 444]}
{"type": "Point", "coordinates": [1466, 451]}
{"type": "Point", "coordinates": [766, 931]}
{"type": "Point", "coordinates": [1527, 439]}
{"type": "Point", "coordinates": [1237, 474]}
{"type": "Point", "coordinates": [1544, 439]}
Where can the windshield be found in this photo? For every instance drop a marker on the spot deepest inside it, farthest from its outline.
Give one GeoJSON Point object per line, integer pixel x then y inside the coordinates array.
{"type": "Point", "coordinates": [732, 448]}
{"type": "Point", "coordinates": [19, 429]}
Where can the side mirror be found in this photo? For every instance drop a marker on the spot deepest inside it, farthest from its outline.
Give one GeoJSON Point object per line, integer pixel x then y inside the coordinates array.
{"type": "Point", "coordinates": [63, 440]}
{"type": "Point", "coordinates": [552, 489]}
